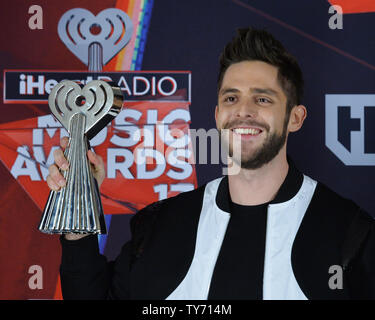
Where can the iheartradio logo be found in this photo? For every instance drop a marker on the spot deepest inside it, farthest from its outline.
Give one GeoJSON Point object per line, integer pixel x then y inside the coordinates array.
{"type": "Point", "coordinates": [95, 40]}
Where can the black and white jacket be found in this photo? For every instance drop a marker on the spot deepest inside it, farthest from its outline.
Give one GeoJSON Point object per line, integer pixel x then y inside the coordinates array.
{"type": "Point", "coordinates": [175, 244]}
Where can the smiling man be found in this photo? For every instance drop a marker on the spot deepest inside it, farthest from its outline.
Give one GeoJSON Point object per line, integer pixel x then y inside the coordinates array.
{"type": "Point", "coordinates": [249, 111]}
{"type": "Point", "coordinates": [267, 232]}
{"type": "Point", "coordinates": [255, 108]}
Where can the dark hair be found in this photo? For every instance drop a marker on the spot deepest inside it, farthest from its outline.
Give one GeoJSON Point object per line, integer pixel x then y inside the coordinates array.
{"type": "Point", "coordinates": [252, 44]}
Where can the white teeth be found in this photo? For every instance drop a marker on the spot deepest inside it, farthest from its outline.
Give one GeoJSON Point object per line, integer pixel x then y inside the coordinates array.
{"type": "Point", "coordinates": [246, 131]}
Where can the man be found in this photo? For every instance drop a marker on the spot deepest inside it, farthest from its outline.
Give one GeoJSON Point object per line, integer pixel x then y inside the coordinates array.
{"type": "Point", "coordinates": [267, 232]}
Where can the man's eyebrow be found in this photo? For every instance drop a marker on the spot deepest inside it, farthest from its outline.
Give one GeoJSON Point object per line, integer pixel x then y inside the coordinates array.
{"type": "Point", "coordinates": [228, 90]}
{"type": "Point", "coordinates": [269, 91]}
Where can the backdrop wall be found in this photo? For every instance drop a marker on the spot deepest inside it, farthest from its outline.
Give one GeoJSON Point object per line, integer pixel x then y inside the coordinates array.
{"type": "Point", "coordinates": [168, 72]}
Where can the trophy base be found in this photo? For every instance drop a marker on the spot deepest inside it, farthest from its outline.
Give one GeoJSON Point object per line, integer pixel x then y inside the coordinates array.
{"type": "Point", "coordinates": [71, 232]}
{"type": "Point", "coordinates": [54, 230]}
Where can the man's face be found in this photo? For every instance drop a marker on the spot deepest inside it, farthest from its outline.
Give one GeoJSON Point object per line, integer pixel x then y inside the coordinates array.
{"type": "Point", "coordinates": [252, 106]}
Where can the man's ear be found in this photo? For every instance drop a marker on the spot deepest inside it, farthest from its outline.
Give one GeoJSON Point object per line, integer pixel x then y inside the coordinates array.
{"type": "Point", "coordinates": [297, 117]}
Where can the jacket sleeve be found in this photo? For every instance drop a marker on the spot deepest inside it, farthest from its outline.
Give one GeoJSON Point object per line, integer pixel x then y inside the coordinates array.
{"type": "Point", "coordinates": [86, 274]}
{"type": "Point", "coordinates": [368, 261]}
{"type": "Point", "coordinates": [362, 271]}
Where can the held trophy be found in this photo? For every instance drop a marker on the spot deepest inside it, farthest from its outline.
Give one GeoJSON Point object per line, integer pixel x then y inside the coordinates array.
{"type": "Point", "coordinates": [83, 112]}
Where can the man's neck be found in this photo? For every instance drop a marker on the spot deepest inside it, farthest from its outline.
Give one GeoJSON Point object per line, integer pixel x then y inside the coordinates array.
{"type": "Point", "coordinates": [258, 186]}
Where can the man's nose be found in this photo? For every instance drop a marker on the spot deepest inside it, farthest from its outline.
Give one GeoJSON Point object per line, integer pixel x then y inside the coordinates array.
{"type": "Point", "coordinates": [247, 109]}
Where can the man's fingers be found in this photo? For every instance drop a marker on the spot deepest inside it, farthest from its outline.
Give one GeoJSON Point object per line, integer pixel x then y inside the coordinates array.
{"type": "Point", "coordinates": [56, 176]}
{"type": "Point", "coordinates": [60, 160]}
{"type": "Point", "coordinates": [64, 142]}
{"type": "Point", "coordinates": [52, 184]}
{"type": "Point", "coordinates": [95, 159]}
{"type": "Point", "coordinates": [98, 166]}
{"type": "Point", "coordinates": [55, 179]}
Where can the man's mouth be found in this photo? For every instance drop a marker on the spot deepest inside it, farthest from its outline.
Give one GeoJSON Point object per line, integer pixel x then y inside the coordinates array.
{"type": "Point", "coordinates": [246, 131]}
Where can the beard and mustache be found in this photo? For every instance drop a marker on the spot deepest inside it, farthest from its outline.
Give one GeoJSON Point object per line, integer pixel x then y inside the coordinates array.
{"type": "Point", "coordinates": [265, 153]}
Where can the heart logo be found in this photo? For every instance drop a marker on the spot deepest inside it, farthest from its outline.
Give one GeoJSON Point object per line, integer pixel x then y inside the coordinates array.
{"type": "Point", "coordinates": [97, 100]}
{"type": "Point", "coordinates": [79, 29]}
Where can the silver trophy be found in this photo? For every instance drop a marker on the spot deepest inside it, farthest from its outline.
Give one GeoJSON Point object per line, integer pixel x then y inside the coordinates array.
{"type": "Point", "coordinates": [77, 207]}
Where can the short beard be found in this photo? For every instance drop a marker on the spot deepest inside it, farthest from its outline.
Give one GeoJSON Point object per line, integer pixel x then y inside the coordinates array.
{"type": "Point", "coordinates": [268, 151]}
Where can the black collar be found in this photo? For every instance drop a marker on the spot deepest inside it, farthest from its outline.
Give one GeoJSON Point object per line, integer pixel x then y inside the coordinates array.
{"type": "Point", "coordinates": [287, 191]}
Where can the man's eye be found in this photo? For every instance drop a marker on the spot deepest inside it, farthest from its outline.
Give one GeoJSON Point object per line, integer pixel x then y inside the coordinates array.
{"type": "Point", "coordinates": [230, 99]}
{"type": "Point", "coordinates": [263, 100]}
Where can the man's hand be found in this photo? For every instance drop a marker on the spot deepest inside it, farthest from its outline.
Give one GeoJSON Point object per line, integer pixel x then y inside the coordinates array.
{"type": "Point", "coordinates": [56, 180]}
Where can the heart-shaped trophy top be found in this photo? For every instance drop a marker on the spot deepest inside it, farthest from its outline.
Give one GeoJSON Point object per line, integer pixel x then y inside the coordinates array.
{"type": "Point", "coordinates": [97, 100]}
{"type": "Point", "coordinates": [78, 28]}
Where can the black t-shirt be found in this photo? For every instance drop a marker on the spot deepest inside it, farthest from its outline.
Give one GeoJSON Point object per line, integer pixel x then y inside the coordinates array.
{"type": "Point", "coordinates": [238, 272]}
